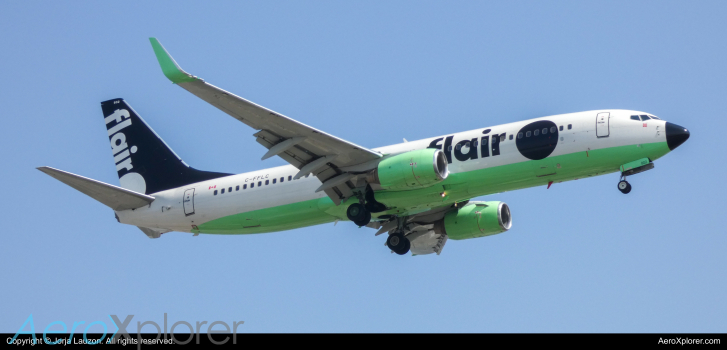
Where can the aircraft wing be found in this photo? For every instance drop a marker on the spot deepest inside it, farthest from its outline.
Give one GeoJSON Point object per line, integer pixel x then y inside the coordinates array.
{"type": "Point", "coordinates": [306, 148]}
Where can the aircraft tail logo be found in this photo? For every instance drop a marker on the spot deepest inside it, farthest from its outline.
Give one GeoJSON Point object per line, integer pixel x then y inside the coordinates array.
{"type": "Point", "coordinates": [145, 163]}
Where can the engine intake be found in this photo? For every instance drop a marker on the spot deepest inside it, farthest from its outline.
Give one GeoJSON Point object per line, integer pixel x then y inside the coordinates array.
{"type": "Point", "coordinates": [476, 219]}
{"type": "Point", "coordinates": [410, 170]}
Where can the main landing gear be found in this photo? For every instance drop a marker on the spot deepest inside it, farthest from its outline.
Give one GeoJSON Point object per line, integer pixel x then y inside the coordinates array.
{"type": "Point", "coordinates": [357, 213]}
{"type": "Point", "coordinates": [624, 186]}
{"type": "Point", "coordinates": [398, 243]}
{"type": "Point", "coordinates": [360, 213]}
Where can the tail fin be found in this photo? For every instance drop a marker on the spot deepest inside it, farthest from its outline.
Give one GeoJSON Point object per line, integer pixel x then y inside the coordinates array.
{"type": "Point", "coordinates": [143, 161]}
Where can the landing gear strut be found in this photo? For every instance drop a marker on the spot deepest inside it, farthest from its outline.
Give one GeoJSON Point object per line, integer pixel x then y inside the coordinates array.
{"type": "Point", "coordinates": [398, 243]}
{"type": "Point", "coordinates": [624, 186]}
{"type": "Point", "coordinates": [357, 213]}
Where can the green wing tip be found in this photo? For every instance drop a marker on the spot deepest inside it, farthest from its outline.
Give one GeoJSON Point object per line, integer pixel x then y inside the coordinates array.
{"type": "Point", "coordinates": [170, 68]}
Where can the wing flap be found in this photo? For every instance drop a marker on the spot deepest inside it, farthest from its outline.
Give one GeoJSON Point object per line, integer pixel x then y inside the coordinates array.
{"type": "Point", "coordinates": [114, 197]}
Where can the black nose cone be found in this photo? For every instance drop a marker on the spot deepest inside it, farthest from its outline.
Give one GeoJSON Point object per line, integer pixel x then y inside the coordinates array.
{"type": "Point", "coordinates": [675, 135]}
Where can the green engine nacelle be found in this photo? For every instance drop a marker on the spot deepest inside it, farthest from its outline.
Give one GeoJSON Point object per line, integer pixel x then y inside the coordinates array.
{"type": "Point", "coordinates": [476, 219]}
{"type": "Point", "coordinates": [410, 170]}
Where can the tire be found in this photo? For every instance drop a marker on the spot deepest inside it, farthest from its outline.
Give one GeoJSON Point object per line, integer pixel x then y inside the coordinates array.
{"type": "Point", "coordinates": [624, 186]}
{"type": "Point", "coordinates": [366, 219]}
{"type": "Point", "coordinates": [406, 248]}
{"type": "Point", "coordinates": [398, 243]}
{"type": "Point", "coordinates": [356, 212]}
{"type": "Point", "coordinates": [627, 190]}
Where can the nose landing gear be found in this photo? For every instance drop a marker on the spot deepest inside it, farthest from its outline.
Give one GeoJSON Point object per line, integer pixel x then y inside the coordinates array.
{"type": "Point", "coordinates": [624, 186]}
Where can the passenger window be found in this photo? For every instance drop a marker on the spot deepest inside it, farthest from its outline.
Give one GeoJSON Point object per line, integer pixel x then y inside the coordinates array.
{"type": "Point", "coordinates": [570, 126]}
{"type": "Point", "coordinates": [553, 130]}
{"type": "Point", "coordinates": [229, 190]}
{"type": "Point", "coordinates": [223, 191]}
{"type": "Point", "coordinates": [561, 128]}
{"type": "Point", "coordinates": [267, 182]}
{"type": "Point", "coordinates": [282, 179]}
{"type": "Point", "coordinates": [252, 185]}
{"type": "Point", "coordinates": [502, 138]}
{"type": "Point", "coordinates": [259, 183]}
{"type": "Point", "coordinates": [519, 135]}
{"type": "Point", "coordinates": [237, 188]}
{"type": "Point", "coordinates": [510, 136]}
{"type": "Point", "coordinates": [275, 180]}
{"type": "Point", "coordinates": [244, 187]}
{"type": "Point", "coordinates": [636, 118]}
{"type": "Point", "coordinates": [290, 177]}
{"type": "Point", "coordinates": [545, 131]}
{"type": "Point", "coordinates": [645, 117]}
{"type": "Point", "coordinates": [215, 192]}
{"type": "Point", "coordinates": [527, 134]}
{"type": "Point", "coordinates": [536, 132]}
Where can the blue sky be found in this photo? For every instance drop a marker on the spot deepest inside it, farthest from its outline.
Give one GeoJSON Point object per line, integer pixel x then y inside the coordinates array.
{"type": "Point", "coordinates": [581, 256]}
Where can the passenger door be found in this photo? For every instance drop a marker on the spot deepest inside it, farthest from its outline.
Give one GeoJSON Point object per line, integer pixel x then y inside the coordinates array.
{"type": "Point", "coordinates": [188, 201]}
{"type": "Point", "coordinates": [602, 128]}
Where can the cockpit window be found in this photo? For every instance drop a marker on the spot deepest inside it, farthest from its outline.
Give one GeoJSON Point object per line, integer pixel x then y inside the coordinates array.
{"type": "Point", "coordinates": [645, 117]}
{"type": "Point", "coordinates": [653, 117]}
{"type": "Point", "coordinates": [636, 118]}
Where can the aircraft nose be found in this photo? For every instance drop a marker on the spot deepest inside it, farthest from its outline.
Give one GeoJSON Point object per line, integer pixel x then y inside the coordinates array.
{"type": "Point", "coordinates": [675, 135]}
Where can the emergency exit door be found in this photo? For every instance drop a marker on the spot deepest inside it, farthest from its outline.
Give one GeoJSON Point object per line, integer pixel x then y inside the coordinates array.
{"type": "Point", "coordinates": [602, 128]}
{"type": "Point", "coordinates": [188, 202]}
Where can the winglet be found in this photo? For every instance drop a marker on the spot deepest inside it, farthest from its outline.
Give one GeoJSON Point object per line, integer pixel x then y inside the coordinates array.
{"type": "Point", "coordinates": [170, 68]}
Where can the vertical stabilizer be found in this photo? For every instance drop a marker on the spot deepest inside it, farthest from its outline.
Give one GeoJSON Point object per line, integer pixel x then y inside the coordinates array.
{"type": "Point", "coordinates": [144, 162]}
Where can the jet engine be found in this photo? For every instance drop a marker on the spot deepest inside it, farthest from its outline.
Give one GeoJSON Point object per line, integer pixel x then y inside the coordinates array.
{"type": "Point", "coordinates": [410, 170]}
{"type": "Point", "coordinates": [475, 219]}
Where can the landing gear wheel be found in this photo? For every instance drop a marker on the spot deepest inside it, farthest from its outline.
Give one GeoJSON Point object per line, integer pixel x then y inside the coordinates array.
{"type": "Point", "coordinates": [366, 219]}
{"type": "Point", "coordinates": [358, 214]}
{"type": "Point", "coordinates": [624, 186]}
{"type": "Point", "coordinates": [398, 243]}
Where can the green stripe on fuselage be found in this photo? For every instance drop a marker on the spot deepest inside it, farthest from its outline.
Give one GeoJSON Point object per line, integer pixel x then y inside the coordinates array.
{"type": "Point", "coordinates": [457, 187]}
{"type": "Point", "coordinates": [279, 218]}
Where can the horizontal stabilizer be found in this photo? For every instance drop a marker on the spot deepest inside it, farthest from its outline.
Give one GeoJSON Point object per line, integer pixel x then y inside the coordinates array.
{"type": "Point", "coordinates": [114, 197]}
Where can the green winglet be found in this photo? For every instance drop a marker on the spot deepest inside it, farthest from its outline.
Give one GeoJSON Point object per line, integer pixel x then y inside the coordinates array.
{"type": "Point", "coordinates": [170, 68]}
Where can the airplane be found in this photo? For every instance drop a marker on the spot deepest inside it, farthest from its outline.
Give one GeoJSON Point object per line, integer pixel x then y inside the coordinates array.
{"type": "Point", "coordinates": [418, 192]}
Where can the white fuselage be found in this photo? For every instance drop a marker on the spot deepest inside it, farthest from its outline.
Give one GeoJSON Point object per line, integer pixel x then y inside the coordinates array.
{"type": "Point", "coordinates": [167, 210]}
